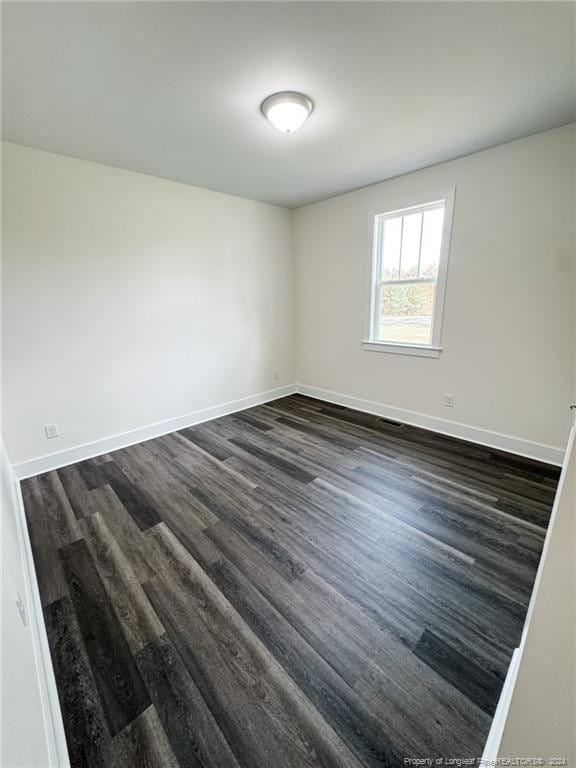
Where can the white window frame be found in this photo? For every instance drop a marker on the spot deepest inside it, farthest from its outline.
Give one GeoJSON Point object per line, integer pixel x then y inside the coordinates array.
{"type": "Point", "coordinates": [371, 342]}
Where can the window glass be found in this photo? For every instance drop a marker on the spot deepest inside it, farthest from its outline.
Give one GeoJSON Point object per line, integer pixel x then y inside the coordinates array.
{"type": "Point", "coordinates": [391, 238]}
{"type": "Point", "coordinates": [431, 242]}
{"type": "Point", "coordinates": [406, 312]}
{"type": "Point", "coordinates": [407, 255]}
{"type": "Point", "coordinates": [410, 246]}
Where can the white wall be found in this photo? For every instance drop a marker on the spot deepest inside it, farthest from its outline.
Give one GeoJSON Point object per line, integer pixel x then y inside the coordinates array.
{"type": "Point", "coordinates": [129, 300]}
{"type": "Point", "coordinates": [542, 714]}
{"type": "Point", "coordinates": [508, 325]}
{"type": "Point", "coordinates": [23, 729]}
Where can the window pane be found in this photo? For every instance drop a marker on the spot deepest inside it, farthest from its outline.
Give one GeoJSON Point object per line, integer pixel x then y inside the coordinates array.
{"type": "Point", "coordinates": [431, 242]}
{"type": "Point", "coordinates": [410, 246]}
{"type": "Point", "coordinates": [391, 237]}
{"type": "Point", "coordinates": [406, 312]}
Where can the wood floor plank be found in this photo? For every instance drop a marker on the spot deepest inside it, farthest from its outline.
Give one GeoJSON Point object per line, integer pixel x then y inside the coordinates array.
{"type": "Point", "coordinates": [198, 436]}
{"type": "Point", "coordinates": [362, 652]}
{"type": "Point", "coordinates": [127, 534]}
{"type": "Point", "coordinates": [289, 468]}
{"type": "Point", "coordinates": [319, 432]}
{"type": "Point", "coordinates": [165, 484]}
{"type": "Point", "coordinates": [81, 498]}
{"type": "Point", "coordinates": [117, 679]}
{"type": "Point", "coordinates": [51, 583]}
{"type": "Point", "coordinates": [134, 500]}
{"type": "Point", "coordinates": [143, 743]}
{"type": "Point", "coordinates": [225, 659]}
{"type": "Point", "coordinates": [63, 525]}
{"type": "Point", "coordinates": [195, 737]}
{"type": "Point", "coordinates": [196, 542]}
{"type": "Point", "coordinates": [385, 588]}
{"type": "Point", "coordinates": [193, 461]}
{"type": "Point", "coordinates": [297, 584]}
{"type": "Point", "coordinates": [91, 475]}
{"type": "Point", "coordinates": [435, 449]}
{"type": "Point", "coordinates": [480, 686]}
{"type": "Point", "coordinates": [87, 734]}
{"type": "Point", "coordinates": [278, 555]}
{"type": "Point", "coordinates": [399, 610]}
{"type": "Point", "coordinates": [253, 421]}
{"type": "Point", "coordinates": [334, 699]}
{"type": "Point", "coordinates": [135, 615]}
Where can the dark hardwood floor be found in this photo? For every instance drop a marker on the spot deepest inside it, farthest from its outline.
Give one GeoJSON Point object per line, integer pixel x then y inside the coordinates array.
{"type": "Point", "coordinates": [295, 585]}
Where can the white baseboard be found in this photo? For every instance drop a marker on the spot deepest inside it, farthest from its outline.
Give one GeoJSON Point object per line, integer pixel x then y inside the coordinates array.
{"type": "Point", "coordinates": [517, 445]}
{"type": "Point", "coordinates": [54, 735]}
{"type": "Point", "coordinates": [539, 451]}
{"type": "Point", "coordinates": [123, 440]}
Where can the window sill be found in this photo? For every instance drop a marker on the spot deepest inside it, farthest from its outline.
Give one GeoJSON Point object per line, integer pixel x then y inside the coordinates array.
{"type": "Point", "coordinates": [418, 350]}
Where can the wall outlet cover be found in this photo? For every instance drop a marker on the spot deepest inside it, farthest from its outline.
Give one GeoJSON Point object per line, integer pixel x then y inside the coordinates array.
{"type": "Point", "coordinates": [51, 431]}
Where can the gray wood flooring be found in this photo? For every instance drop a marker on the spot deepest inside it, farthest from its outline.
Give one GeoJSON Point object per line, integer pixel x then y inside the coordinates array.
{"type": "Point", "coordinates": [295, 585]}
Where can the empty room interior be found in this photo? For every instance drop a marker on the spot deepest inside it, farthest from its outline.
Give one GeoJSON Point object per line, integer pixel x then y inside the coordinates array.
{"type": "Point", "coordinates": [288, 384]}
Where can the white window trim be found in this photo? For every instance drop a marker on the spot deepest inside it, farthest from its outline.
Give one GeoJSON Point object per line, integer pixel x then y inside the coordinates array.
{"type": "Point", "coordinates": [370, 342]}
{"type": "Point", "coordinates": [418, 350]}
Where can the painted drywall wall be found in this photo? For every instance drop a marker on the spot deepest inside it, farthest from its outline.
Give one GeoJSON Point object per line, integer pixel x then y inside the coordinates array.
{"type": "Point", "coordinates": [130, 300]}
{"type": "Point", "coordinates": [508, 332]}
{"type": "Point", "coordinates": [23, 729]}
{"type": "Point", "coordinates": [542, 712]}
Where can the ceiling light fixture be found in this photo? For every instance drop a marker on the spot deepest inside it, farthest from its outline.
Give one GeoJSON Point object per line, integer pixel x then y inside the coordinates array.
{"type": "Point", "coordinates": [288, 110]}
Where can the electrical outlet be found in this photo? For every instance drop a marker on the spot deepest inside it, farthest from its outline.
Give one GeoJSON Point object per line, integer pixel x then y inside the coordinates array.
{"type": "Point", "coordinates": [51, 431]}
{"type": "Point", "coordinates": [448, 401]}
{"type": "Point", "coordinates": [276, 376]}
{"type": "Point", "coordinates": [21, 608]}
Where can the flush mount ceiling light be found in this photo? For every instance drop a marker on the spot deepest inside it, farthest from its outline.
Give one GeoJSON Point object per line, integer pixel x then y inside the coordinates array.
{"type": "Point", "coordinates": [288, 110]}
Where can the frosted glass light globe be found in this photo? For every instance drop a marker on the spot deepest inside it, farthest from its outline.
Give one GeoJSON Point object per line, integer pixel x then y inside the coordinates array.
{"type": "Point", "coordinates": [287, 111]}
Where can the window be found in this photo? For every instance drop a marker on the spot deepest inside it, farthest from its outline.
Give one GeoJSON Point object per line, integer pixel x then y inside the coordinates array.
{"type": "Point", "coordinates": [409, 261]}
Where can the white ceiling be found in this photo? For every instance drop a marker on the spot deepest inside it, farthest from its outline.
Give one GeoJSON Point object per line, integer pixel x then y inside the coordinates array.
{"type": "Point", "coordinates": [173, 89]}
